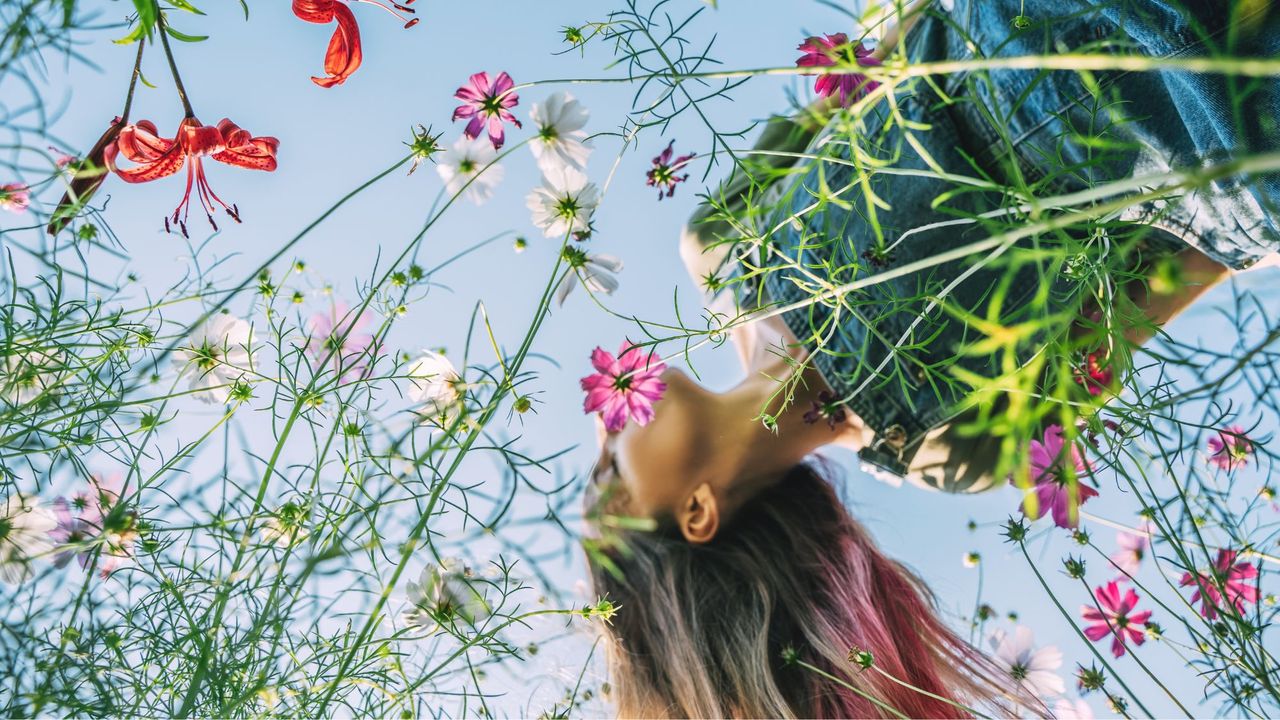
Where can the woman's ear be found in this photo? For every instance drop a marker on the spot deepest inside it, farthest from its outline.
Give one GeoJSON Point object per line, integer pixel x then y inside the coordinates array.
{"type": "Point", "coordinates": [700, 516]}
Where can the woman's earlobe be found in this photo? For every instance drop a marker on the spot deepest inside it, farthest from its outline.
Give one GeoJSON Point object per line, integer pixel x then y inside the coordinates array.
{"type": "Point", "coordinates": [700, 516]}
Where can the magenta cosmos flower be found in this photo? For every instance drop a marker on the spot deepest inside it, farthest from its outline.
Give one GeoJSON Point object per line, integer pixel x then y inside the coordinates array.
{"type": "Point", "coordinates": [625, 387]}
{"type": "Point", "coordinates": [487, 103]}
{"type": "Point", "coordinates": [664, 173]}
{"type": "Point", "coordinates": [1114, 615]}
{"type": "Point", "coordinates": [1052, 490]}
{"type": "Point", "coordinates": [1225, 577]}
{"type": "Point", "coordinates": [832, 49]}
{"type": "Point", "coordinates": [1230, 448]}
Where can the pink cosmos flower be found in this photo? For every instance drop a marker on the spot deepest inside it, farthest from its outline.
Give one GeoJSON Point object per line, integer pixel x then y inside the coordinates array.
{"type": "Point", "coordinates": [1114, 615]}
{"type": "Point", "coordinates": [342, 341]}
{"type": "Point", "coordinates": [663, 173]}
{"type": "Point", "coordinates": [1132, 548]}
{"type": "Point", "coordinates": [1230, 448]}
{"type": "Point", "coordinates": [1225, 577]}
{"type": "Point", "coordinates": [625, 387]}
{"type": "Point", "coordinates": [87, 522]}
{"type": "Point", "coordinates": [63, 159]}
{"type": "Point", "coordinates": [487, 103]}
{"type": "Point", "coordinates": [15, 197]}
{"type": "Point", "coordinates": [1052, 490]}
{"type": "Point", "coordinates": [830, 50]}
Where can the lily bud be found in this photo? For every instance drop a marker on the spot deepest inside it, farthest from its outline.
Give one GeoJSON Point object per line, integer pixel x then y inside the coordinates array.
{"type": "Point", "coordinates": [86, 179]}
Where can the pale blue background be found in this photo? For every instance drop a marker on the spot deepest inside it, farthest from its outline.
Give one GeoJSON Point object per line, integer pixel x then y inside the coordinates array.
{"type": "Point", "coordinates": [331, 140]}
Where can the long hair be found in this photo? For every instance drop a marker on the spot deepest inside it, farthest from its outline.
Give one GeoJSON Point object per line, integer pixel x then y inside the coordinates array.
{"type": "Point", "coordinates": [748, 624]}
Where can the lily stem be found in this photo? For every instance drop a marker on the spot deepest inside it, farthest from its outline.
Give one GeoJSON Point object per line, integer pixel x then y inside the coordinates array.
{"type": "Point", "coordinates": [162, 28]}
{"type": "Point", "coordinates": [133, 81]}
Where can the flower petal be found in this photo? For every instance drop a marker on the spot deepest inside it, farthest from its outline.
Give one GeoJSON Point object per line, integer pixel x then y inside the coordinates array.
{"type": "Point", "coordinates": [163, 166]}
{"type": "Point", "coordinates": [246, 151]}
{"type": "Point", "coordinates": [344, 55]}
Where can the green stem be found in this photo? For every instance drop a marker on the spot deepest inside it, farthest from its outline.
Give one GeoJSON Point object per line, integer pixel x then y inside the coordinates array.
{"type": "Point", "coordinates": [162, 30]}
{"type": "Point", "coordinates": [860, 692]}
{"type": "Point", "coordinates": [133, 81]}
{"type": "Point", "coordinates": [922, 691]}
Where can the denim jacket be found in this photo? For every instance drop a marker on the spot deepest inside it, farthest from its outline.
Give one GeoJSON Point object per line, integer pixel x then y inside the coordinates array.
{"type": "Point", "coordinates": [1023, 122]}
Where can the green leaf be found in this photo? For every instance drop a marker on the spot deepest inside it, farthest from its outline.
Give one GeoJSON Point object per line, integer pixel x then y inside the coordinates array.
{"type": "Point", "coordinates": [185, 5]}
{"type": "Point", "coordinates": [183, 36]}
{"type": "Point", "coordinates": [148, 13]}
{"type": "Point", "coordinates": [143, 79]}
{"type": "Point", "coordinates": [134, 36]}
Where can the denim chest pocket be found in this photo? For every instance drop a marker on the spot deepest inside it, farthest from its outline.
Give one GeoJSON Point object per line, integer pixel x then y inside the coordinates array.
{"type": "Point", "coordinates": [1026, 120]}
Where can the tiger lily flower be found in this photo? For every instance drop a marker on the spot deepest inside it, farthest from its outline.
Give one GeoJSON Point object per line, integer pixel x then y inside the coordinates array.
{"type": "Point", "coordinates": [156, 157]}
{"type": "Point", "coordinates": [344, 56]}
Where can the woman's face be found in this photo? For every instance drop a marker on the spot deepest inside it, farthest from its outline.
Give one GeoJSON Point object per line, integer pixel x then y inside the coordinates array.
{"type": "Point", "coordinates": [649, 471]}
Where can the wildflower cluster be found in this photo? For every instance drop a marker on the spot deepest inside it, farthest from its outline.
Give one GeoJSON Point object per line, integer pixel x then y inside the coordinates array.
{"type": "Point", "coordinates": [283, 498]}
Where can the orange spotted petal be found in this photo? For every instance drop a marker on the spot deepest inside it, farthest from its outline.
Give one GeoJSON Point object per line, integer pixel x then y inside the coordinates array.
{"type": "Point", "coordinates": [156, 157]}
{"type": "Point", "coordinates": [141, 142]}
{"type": "Point", "coordinates": [245, 151]}
{"type": "Point", "coordinates": [344, 55]}
{"type": "Point", "coordinates": [314, 11]}
{"type": "Point", "coordinates": [197, 139]}
{"type": "Point", "coordinates": [163, 166]}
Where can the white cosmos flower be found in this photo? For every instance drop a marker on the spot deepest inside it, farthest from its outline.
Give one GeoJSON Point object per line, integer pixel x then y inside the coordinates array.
{"type": "Point", "coordinates": [24, 534]}
{"type": "Point", "coordinates": [433, 382]}
{"type": "Point", "coordinates": [218, 353]}
{"type": "Point", "coordinates": [463, 161]}
{"type": "Point", "coordinates": [560, 139]}
{"type": "Point", "coordinates": [445, 592]}
{"type": "Point", "coordinates": [285, 527]}
{"type": "Point", "coordinates": [1072, 710]}
{"type": "Point", "coordinates": [1033, 668]}
{"type": "Point", "coordinates": [25, 376]}
{"type": "Point", "coordinates": [596, 271]}
{"type": "Point", "coordinates": [564, 202]}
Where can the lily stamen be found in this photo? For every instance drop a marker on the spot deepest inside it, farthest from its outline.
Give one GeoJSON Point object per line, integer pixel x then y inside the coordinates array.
{"type": "Point", "coordinates": [408, 22]}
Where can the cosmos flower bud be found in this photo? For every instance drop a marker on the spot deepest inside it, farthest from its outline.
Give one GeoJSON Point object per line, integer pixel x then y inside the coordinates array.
{"type": "Point", "coordinates": [861, 658]}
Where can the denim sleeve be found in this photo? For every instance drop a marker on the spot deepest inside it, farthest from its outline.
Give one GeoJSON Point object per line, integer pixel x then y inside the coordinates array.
{"type": "Point", "coordinates": [1172, 119]}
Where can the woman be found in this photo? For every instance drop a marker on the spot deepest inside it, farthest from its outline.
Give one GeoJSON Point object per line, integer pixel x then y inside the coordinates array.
{"type": "Point", "coordinates": [746, 589]}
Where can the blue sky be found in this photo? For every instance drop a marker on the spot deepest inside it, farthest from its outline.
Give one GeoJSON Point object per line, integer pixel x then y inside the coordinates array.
{"type": "Point", "coordinates": [256, 73]}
